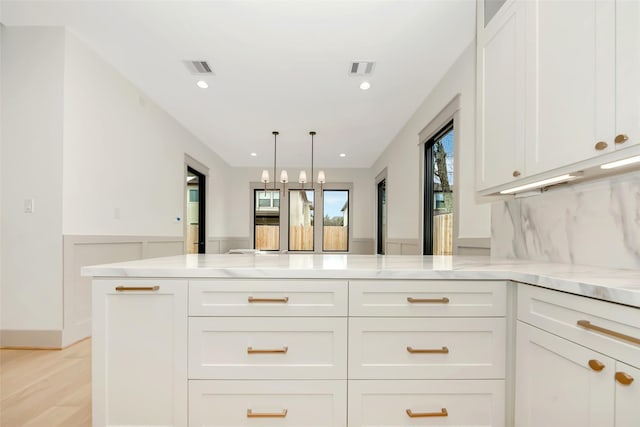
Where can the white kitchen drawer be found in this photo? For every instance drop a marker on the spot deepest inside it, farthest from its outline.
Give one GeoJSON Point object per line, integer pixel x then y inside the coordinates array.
{"type": "Point", "coordinates": [304, 298]}
{"type": "Point", "coordinates": [422, 298]}
{"type": "Point", "coordinates": [466, 403]}
{"type": "Point", "coordinates": [461, 348]}
{"type": "Point", "coordinates": [267, 348]}
{"type": "Point", "coordinates": [290, 403]}
{"type": "Point", "coordinates": [559, 313]}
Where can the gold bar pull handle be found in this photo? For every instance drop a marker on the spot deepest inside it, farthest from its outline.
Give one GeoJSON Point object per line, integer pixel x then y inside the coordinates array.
{"type": "Point", "coordinates": [596, 365]}
{"type": "Point", "coordinates": [443, 350]}
{"type": "Point", "coordinates": [443, 300]}
{"type": "Point", "coordinates": [283, 350]}
{"type": "Point", "coordinates": [251, 414]}
{"type": "Point", "coordinates": [443, 413]}
{"type": "Point", "coordinates": [623, 378]}
{"type": "Point", "coordinates": [283, 300]}
{"type": "Point", "coordinates": [588, 325]}
{"type": "Point", "coordinates": [137, 288]}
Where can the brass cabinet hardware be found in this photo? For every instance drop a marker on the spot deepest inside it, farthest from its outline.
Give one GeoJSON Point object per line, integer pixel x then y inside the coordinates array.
{"type": "Point", "coordinates": [601, 145]}
{"type": "Point", "coordinates": [280, 300]}
{"type": "Point", "coordinates": [443, 350]}
{"type": "Point", "coordinates": [443, 300]}
{"type": "Point", "coordinates": [596, 365]}
{"type": "Point", "coordinates": [624, 378]}
{"type": "Point", "coordinates": [137, 288]}
{"type": "Point", "coordinates": [621, 139]}
{"type": "Point", "coordinates": [516, 174]}
{"type": "Point", "coordinates": [443, 413]}
{"type": "Point", "coordinates": [587, 325]}
{"type": "Point", "coordinates": [283, 350]}
{"type": "Point", "coordinates": [251, 414]}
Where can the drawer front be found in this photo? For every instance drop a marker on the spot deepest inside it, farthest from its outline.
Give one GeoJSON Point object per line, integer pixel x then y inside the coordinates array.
{"type": "Point", "coordinates": [602, 326]}
{"type": "Point", "coordinates": [420, 298]}
{"type": "Point", "coordinates": [303, 298]}
{"type": "Point", "coordinates": [449, 403]}
{"type": "Point", "coordinates": [267, 348]}
{"type": "Point", "coordinates": [268, 403]}
{"type": "Point", "coordinates": [392, 348]}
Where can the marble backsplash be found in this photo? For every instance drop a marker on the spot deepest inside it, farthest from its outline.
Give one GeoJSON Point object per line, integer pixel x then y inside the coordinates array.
{"type": "Point", "coordinates": [593, 223]}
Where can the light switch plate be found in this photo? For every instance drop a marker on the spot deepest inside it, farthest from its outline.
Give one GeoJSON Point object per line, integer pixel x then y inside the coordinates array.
{"type": "Point", "coordinates": [29, 205]}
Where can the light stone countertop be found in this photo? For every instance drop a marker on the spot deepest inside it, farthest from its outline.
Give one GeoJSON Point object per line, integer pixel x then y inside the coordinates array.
{"type": "Point", "coordinates": [614, 285]}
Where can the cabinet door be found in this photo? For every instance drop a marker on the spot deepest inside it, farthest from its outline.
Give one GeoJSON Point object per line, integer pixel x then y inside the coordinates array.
{"type": "Point", "coordinates": [627, 396]}
{"type": "Point", "coordinates": [570, 81]}
{"type": "Point", "coordinates": [627, 73]}
{"type": "Point", "coordinates": [555, 385]}
{"type": "Point", "coordinates": [500, 86]}
{"type": "Point", "coordinates": [139, 353]}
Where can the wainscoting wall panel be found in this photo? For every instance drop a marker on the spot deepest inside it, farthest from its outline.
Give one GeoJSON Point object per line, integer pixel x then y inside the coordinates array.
{"type": "Point", "coordinates": [81, 251]}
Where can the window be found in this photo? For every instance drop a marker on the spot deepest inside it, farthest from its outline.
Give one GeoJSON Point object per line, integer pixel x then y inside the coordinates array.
{"type": "Point", "coordinates": [301, 213]}
{"type": "Point", "coordinates": [335, 224]}
{"type": "Point", "coordinates": [439, 192]}
{"type": "Point", "coordinates": [266, 220]}
{"type": "Point", "coordinates": [193, 195]}
{"type": "Point", "coordinates": [285, 219]}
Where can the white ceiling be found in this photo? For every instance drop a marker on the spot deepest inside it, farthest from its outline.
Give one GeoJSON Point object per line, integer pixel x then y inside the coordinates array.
{"type": "Point", "coordinates": [279, 65]}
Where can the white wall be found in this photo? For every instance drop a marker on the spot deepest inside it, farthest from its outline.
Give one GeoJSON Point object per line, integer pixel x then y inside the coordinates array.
{"type": "Point", "coordinates": [32, 135]}
{"type": "Point", "coordinates": [401, 158]}
{"type": "Point", "coordinates": [124, 156]}
{"type": "Point", "coordinates": [362, 200]}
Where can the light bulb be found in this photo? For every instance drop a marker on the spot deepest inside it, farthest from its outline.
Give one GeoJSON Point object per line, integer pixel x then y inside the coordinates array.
{"type": "Point", "coordinates": [202, 84]}
{"type": "Point", "coordinates": [284, 177]}
{"type": "Point", "coordinates": [265, 176]}
{"type": "Point", "coordinates": [302, 178]}
{"type": "Point", "coordinates": [321, 177]}
{"type": "Point", "coordinates": [365, 85]}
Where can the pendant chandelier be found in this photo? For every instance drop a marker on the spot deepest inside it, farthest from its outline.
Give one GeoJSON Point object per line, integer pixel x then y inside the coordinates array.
{"type": "Point", "coordinates": [284, 177]}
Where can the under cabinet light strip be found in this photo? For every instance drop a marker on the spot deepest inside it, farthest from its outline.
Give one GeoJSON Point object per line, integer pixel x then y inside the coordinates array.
{"type": "Point", "coordinates": [619, 163]}
{"type": "Point", "coordinates": [543, 183]}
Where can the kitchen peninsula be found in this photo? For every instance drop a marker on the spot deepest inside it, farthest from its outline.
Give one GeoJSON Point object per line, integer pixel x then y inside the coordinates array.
{"type": "Point", "coordinates": [358, 340]}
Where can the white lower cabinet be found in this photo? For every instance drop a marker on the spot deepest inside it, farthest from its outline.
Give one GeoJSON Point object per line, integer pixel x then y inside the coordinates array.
{"type": "Point", "coordinates": [627, 412]}
{"type": "Point", "coordinates": [577, 361]}
{"type": "Point", "coordinates": [560, 383]}
{"type": "Point", "coordinates": [426, 402]}
{"type": "Point", "coordinates": [438, 348]}
{"type": "Point", "coordinates": [139, 351]}
{"type": "Point", "coordinates": [268, 403]}
{"type": "Point", "coordinates": [267, 348]}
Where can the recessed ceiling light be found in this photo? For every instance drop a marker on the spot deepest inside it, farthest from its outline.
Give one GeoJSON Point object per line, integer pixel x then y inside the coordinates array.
{"type": "Point", "coordinates": [202, 84]}
{"type": "Point", "coordinates": [343, 155]}
{"type": "Point", "coordinates": [365, 85]}
{"type": "Point", "coordinates": [254, 154]}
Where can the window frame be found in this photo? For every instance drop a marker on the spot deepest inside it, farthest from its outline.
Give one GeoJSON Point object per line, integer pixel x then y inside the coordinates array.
{"type": "Point", "coordinates": [284, 213]}
{"type": "Point", "coordinates": [348, 221]}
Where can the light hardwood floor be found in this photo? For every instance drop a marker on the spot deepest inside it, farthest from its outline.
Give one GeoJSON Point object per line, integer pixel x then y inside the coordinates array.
{"type": "Point", "coordinates": [46, 388]}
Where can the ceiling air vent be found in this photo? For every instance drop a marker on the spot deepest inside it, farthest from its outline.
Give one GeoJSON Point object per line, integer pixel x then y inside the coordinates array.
{"type": "Point", "coordinates": [199, 68]}
{"type": "Point", "coordinates": [361, 68]}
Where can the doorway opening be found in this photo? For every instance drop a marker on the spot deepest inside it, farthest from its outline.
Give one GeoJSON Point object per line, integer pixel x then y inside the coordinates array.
{"type": "Point", "coordinates": [196, 212]}
{"type": "Point", "coordinates": [439, 193]}
{"type": "Point", "coordinates": [382, 216]}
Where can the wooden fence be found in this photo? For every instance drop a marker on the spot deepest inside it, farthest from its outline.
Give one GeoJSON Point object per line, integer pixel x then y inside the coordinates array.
{"type": "Point", "coordinates": [301, 238]}
{"type": "Point", "coordinates": [336, 238]}
{"type": "Point", "coordinates": [443, 234]}
{"type": "Point", "coordinates": [268, 237]}
{"type": "Point", "coordinates": [192, 238]}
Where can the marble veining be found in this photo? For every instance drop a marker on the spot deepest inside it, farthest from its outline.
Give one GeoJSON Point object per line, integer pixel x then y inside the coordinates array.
{"type": "Point", "coordinates": [595, 223]}
{"type": "Point", "coordinates": [614, 285]}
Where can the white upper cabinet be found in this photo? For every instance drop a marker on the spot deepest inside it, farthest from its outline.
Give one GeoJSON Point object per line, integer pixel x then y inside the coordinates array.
{"type": "Point", "coordinates": [500, 65]}
{"type": "Point", "coordinates": [627, 73]}
{"type": "Point", "coordinates": [558, 86]}
{"type": "Point", "coordinates": [570, 82]}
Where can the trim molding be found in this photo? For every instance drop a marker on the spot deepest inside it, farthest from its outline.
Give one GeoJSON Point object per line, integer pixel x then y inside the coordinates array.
{"type": "Point", "coordinates": [402, 247]}
{"type": "Point", "coordinates": [474, 242]}
{"type": "Point", "coordinates": [26, 339]}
